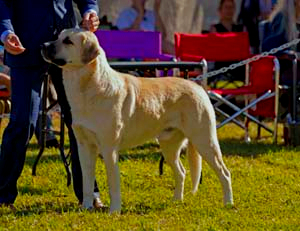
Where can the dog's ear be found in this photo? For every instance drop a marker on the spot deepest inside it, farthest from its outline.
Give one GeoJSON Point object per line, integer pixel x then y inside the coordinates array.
{"type": "Point", "coordinates": [90, 50]}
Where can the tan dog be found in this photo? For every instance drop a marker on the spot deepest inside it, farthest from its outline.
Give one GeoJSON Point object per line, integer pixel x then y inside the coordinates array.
{"type": "Point", "coordinates": [113, 111]}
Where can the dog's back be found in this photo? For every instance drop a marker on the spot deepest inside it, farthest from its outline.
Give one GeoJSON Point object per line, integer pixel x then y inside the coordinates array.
{"type": "Point", "coordinates": [153, 105]}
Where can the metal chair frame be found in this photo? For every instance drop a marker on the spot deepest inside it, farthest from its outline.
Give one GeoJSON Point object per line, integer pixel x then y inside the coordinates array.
{"type": "Point", "coordinates": [216, 47]}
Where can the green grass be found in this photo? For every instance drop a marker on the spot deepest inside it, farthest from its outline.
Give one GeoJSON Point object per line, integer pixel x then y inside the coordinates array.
{"type": "Point", "coordinates": [265, 177]}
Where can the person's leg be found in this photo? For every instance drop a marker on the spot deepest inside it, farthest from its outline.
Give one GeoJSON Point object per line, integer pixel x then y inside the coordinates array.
{"type": "Point", "coordinates": [56, 76]}
{"type": "Point", "coordinates": [26, 85]}
{"type": "Point", "coordinates": [51, 140]}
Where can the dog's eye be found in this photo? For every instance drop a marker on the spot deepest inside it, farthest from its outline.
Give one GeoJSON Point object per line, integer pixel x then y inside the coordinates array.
{"type": "Point", "coordinates": [67, 41]}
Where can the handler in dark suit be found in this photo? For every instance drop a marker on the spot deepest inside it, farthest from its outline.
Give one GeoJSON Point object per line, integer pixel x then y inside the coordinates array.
{"type": "Point", "coordinates": [24, 26]}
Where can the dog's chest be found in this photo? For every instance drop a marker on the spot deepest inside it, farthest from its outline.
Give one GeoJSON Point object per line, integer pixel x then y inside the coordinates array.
{"type": "Point", "coordinates": [80, 101]}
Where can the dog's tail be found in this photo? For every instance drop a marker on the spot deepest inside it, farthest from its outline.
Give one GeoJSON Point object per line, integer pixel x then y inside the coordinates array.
{"type": "Point", "coordinates": [195, 163]}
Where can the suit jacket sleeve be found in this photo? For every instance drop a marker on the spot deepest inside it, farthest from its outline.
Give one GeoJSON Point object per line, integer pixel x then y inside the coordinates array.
{"type": "Point", "coordinates": [5, 20]}
{"type": "Point", "coordinates": [85, 5]}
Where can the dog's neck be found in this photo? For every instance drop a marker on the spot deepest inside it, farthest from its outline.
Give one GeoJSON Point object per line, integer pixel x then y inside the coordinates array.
{"type": "Point", "coordinates": [97, 72]}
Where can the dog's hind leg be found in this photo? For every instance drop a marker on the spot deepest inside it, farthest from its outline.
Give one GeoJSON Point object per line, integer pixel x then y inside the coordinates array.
{"type": "Point", "coordinates": [211, 152]}
{"type": "Point", "coordinates": [170, 143]}
{"type": "Point", "coordinates": [87, 151]}
{"type": "Point", "coordinates": [110, 157]}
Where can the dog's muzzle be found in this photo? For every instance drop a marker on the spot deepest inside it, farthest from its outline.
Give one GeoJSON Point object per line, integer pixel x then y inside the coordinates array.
{"type": "Point", "coordinates": [48, 51]}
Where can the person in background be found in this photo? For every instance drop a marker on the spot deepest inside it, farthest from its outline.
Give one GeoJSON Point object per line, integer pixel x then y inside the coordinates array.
{"type": "Point", "coordinates": [226, 10]}
{"type": "Point", "coordinates": [51, 141]}
{"type": "Point", "coordinates": [4, 82]}
{"type": "Point", "coordinates": [265, 8]}
{"type": "Point", "coordinates": [137, 17]}
{"type": "Point", "coordinates": [249, 16]}
{"type": "Point", "coordinates": [283, 26]}
{"type": "Point", "coordinates": [24, 27]}
{"type": "Point", "coordinates": [227, 22]}
{"type": "Point", "coordinates": [4, 72]}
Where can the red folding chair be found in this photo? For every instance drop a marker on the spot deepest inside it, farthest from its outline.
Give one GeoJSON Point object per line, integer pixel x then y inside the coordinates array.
{"type": "Point", "coordinates": [145, 47]}
{"type": "Point", "coordinates": [261, 77]}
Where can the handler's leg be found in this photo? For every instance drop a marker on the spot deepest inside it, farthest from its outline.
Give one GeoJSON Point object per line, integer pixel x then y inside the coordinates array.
{"type": "Point", "coordinates": [25, 85]}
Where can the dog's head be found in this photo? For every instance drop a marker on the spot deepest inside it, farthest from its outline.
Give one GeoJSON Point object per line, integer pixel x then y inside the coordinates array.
{"type": "Point", "coordinates": [73, 48]}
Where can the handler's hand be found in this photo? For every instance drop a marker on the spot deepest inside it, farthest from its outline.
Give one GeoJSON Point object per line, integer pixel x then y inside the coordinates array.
{"type": "Point", "coordinates": [90, 21]}
{"type": "Point", "coordinates": [13, 45]}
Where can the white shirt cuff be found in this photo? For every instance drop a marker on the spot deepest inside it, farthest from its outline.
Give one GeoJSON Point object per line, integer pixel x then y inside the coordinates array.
{"type": "Point", "coordinates": [4, 34]}
{"type": "Point", "coordinates": [90, 11]}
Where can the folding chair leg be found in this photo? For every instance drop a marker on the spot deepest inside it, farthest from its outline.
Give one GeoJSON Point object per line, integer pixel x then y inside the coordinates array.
{"type": "Point", "coordinates": [247, 136]}
{"type": "Point", "coordinates": [275, 132]}
{"type": "Point", "coordinates": [161, 164]}
{"type": "Point", "coordinates": [258, 136]}
{"type": "Point", "coordinates": [243, 111]}
{"type": "Point", "coordinates": [240, 124]}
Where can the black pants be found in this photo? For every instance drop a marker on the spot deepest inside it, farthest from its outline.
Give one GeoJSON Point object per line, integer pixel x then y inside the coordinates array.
{"type": "Point", "coordinates": [56, 76]}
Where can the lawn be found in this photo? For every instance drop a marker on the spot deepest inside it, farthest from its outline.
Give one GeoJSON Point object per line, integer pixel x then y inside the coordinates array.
{"type": "Point", "coordinates": [265, 178]}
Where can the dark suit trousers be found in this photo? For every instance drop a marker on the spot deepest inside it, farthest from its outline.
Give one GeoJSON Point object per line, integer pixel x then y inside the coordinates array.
{"type": "Point", "coordinates": [26, 86]}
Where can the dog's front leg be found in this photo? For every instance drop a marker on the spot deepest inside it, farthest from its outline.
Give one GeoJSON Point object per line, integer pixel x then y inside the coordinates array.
{"type": "Point", "coordinates": [110, 157]}
{"type": "Point", "coordinates": [88, 165]}
{"type": "Point", "coordinates": [87, 157]}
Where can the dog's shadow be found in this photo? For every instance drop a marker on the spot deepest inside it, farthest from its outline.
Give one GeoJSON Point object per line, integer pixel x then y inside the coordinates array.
{"type": "Point", "coordinates": [147, 151]}
{"type": "Point", "coordinates": [151, 151]}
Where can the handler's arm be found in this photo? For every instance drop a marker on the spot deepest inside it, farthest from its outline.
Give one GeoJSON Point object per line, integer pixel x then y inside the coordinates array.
{"type": "Point", "coordinates": [10, 40]}
{"type": "Point", "coordinates": [89, 10]}
{"type": "Point", "coordinates": [5, 21]}
{"type": "Point", "coordinates": [87, 6]}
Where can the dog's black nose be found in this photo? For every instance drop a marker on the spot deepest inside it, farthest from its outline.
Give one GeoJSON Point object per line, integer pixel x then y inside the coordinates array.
{"type": "Point", "coordinates": [48, 50]}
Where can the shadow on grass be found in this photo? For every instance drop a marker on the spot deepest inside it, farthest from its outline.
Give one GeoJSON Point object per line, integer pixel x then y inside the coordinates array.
{"type": "Point", "coordinates": [42, 207]}
{"type": "Point", "coordinates": [151, 151]}
{"type": "Point", "coordinates": [30, 190]}
{"type": "Point", "coordinates": [233, 147]}
{"type": "Point", "coordinates": [148, 151]}
{"type": "Point", "coordinates": [142, 208]}
{"type": "Point", "coordinates": [156, 155]}
{"type": "Point", "coordinates": [44, 158]}
{"type": "Point", "coordinates": [67, 207]}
